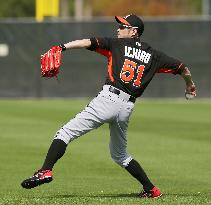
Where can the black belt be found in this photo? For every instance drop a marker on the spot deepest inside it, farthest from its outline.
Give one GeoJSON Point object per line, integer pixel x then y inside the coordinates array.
{"type": "Point", "coordinates": [117, 92]}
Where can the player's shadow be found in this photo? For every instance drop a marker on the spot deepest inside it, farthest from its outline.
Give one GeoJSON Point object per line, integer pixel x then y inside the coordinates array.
{"type": "Point", "coordinates": [131, 195]}
{"type": "Point", "coordinates": [121, 195]}
{"type": "Point", "coordinates": [183, 194]}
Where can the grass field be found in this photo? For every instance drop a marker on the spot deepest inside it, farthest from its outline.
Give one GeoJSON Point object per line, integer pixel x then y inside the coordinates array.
{"type": "Point", "coordinates": [172, 141]}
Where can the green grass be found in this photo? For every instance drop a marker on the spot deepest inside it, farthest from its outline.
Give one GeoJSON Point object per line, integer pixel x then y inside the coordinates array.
{"type": "Point", "coordinates": [171, 140]}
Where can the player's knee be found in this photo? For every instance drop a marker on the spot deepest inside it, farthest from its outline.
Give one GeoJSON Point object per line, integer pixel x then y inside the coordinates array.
{"type": "Point", "coordinates": [63, 135]}
{"type": "Point", "coordinates": [123, 161]}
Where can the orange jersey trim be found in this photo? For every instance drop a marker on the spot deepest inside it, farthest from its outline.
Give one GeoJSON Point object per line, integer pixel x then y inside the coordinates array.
{"type": "Point", "coordinates": [168, 70]}
{"type": "Point", "coordinates": [107, 54]}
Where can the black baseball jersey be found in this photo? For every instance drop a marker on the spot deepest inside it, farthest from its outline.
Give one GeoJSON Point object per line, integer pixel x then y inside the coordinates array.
{"type": "Point", "coordinates": [132, 63]}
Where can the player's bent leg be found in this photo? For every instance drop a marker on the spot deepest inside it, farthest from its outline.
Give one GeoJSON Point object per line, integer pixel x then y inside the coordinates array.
{"type": "Point", "coordinates": [81, 124]}
{"type": "Point", "coordinates": [118, 145]}
{"type": "Point", "coordinates": [121, 161]}
{"type": "Point", "coordinates": [118, 139]}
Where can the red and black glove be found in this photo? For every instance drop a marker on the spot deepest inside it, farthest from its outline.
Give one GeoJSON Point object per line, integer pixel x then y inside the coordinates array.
{"type": "Point", "coordinates": [51, 61]}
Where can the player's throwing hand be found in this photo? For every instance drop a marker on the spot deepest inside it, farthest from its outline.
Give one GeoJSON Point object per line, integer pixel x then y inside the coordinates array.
{"type": "Point", "coordinates": [190, 92]}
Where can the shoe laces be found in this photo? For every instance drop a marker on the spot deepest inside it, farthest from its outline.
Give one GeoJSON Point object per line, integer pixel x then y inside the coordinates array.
{"type": "Point", "coordinates": [39, 173]}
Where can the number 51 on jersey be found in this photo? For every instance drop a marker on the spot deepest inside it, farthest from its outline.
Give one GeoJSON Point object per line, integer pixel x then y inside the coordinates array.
{"type": "Point", "coordinates": [128, 72]}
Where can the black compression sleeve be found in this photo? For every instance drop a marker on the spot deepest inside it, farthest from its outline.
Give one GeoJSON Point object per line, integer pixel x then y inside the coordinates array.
{"type": "Point", "coordinates": [94, 44]}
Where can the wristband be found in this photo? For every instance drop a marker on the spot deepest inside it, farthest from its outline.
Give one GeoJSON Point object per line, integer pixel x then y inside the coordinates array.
{"type": "Point", "coordinates": [62, 46]}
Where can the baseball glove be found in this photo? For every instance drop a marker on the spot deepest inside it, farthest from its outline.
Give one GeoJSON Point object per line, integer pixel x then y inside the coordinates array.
{"type": "Point", "coordinates": [51, 62]}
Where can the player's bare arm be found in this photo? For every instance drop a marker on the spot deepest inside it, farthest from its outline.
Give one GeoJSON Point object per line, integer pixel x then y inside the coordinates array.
{"type": "Point", "coordinates": [190, 91]}
{"type": "Point", "coordinates": [186, 75]}
{"type": "Point", "coordinates": [84, 43]}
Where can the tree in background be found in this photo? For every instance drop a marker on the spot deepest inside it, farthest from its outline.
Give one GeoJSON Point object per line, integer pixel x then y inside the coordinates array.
{"type": "Point", "coordinates": [146, 7]}
{"type": "Point", "coordinates": [26, 8]}
{"type": "Point", "coordinates": [17, 8]}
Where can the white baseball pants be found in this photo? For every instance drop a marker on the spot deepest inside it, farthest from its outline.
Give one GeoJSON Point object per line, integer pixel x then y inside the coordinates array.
{"type": "Point", "coordinates": [106, 107]}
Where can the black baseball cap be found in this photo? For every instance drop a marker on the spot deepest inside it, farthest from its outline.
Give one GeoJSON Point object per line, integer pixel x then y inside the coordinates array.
{"type": "Point", "coordinates": [132, 20]}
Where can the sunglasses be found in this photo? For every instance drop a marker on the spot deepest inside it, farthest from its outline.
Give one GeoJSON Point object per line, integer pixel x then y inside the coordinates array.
{"type": "Point", "coordinates": [122, 26]}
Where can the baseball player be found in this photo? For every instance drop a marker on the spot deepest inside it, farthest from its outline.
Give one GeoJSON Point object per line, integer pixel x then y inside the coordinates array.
{"type": "Point", "coordinates": [131, 66]}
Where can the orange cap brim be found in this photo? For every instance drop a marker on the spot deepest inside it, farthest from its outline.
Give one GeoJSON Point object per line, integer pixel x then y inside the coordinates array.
{"type": "Point", "coordinates": [121, 20]}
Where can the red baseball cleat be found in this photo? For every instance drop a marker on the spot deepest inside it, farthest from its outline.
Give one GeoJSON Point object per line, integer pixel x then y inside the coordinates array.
{"type": "Point", "coordinates": [39, 177]}
{"type": "Point", "coordinates": [153, 193]}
